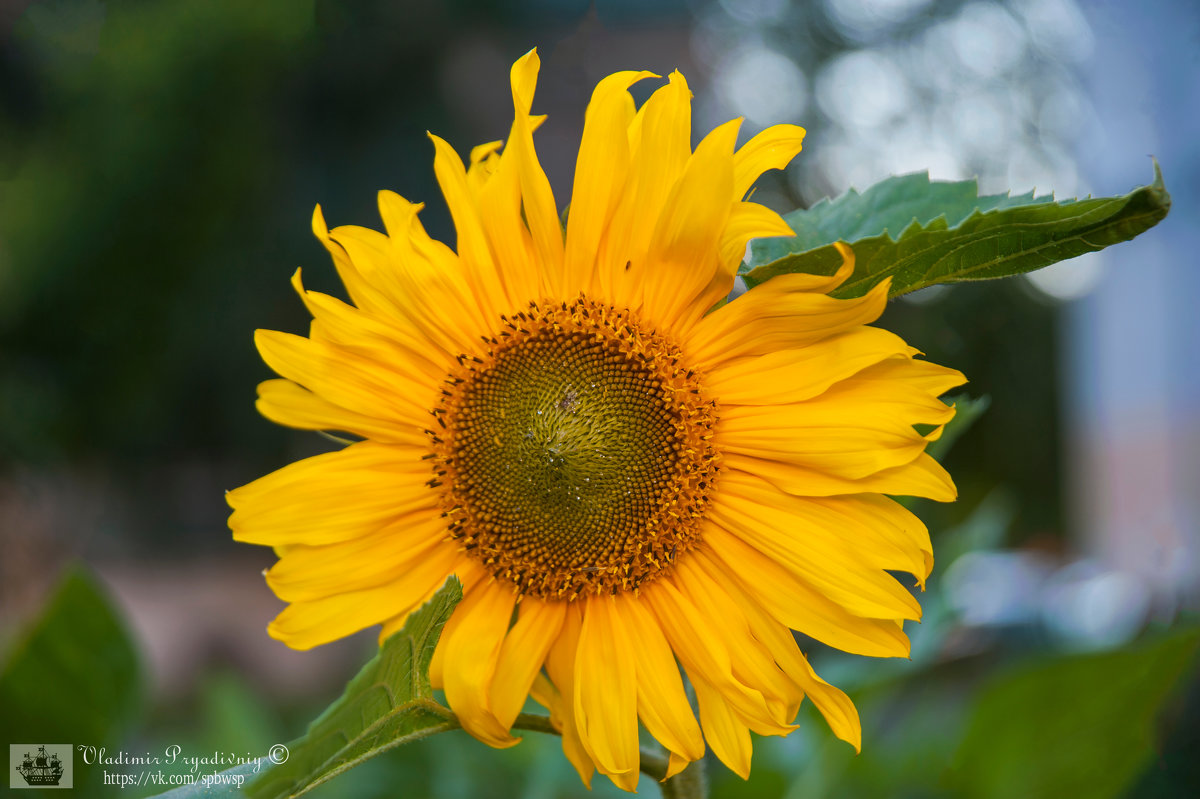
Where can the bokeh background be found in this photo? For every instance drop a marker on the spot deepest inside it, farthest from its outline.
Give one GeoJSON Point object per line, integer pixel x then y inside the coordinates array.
{"type": "Point", "coordinates": [159, 162]}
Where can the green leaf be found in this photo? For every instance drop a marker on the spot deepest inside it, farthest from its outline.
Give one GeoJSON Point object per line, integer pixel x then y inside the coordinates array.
{"type": "Point", "coordinates": [921, 233]}
{"type": "Point", "coordinates": [226, 784]}
{"type": "Point", "coordinates": [389, 703]}
{"type": "Point", "coordinates": [74, 675]}
{"type": "Point", "coordinates": [1082, 725]}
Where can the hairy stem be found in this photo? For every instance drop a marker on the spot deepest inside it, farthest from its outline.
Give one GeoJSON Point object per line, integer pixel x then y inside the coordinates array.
{"type": "Point", "coordinates": [535, 723]}
{"type": "Point", "coordinates": [687, 784]}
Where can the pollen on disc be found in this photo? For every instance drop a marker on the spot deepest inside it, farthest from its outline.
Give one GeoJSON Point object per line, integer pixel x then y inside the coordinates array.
{"type": "Point", "coordinates": [575, 456]}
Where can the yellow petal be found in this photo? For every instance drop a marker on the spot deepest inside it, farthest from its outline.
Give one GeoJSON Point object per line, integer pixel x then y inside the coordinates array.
{"type": "Point", "coordinates": [778, 315]}
{"type": "Point", "coordinates": [773, 148]}
{"type": "Point", "coordinates": [701, 644]}
{"type": "Point", "coordinates": [346, 379]}
{"type": "Point", "coordinates": [795, 375]}
{"type": "Point", "coordinates": [512, 246]}
{"type": "Point", "coordinates": [483, 162]}
{"type": "Point", "coordinates": [560, 665]}
{"type": "Point", "coordinates": [839, 712]}
{"type": "Point", "coordinates": [384, 339]}
{"type": "Point", "coordinates": [469, 660]}
{"type": "Point", "coordinates": [398, 265]}
{"type": "Point", "coordinates": [472, 247]}
{"type": "Point", "coordinates": [661, 700]}
{"type": "Point", "coordinates": [303, 625]}
{"type": "Point", "coordinates": [680, 259]}
{"type": "Point", "coordinates": [660, 145]}
{"type": "Point", "coordinates": [747, 221]}
{"type": "Point", "coordinates": [915, 375]}
{"type": "Point", "coordinates": [522, 654]}
{"type": "Point", "coordinates": [605, 691]}
{"type": "Point", "coordinates": [336, 496]}
{"type": "Point", "coordinates": [867, 527]}
{"type": "Point", "coordinates": [892, 521]}
{"type": "Point", "coordinates": [822, 561]}
{"type": "Point", "coordinates": [600, 173]}
{"type": "Point", "coordinates": [396, 623]}
{"type": "Point", "coordinates": [725, 733]}
{"type": "Point", "coordinates": [797, 605]}
{"type": "Point", "coordinates": [545, 694]}
{"type": "Point", "coordinates": [310, 572]}
{"type": "Point", "coordinates": [752, 662]}
{"type": "Point", "coordinates": [780, 433]}
{"type": "Point", "coordinates": [286, 403]}
{"type": "Point", "coordinates": [541, 212]}
{"type": "Point", "coordinates": [924, 477]}
{"type": "Point", "coordinates": [472, 575]}
{"type": "Point", "coordinates": [427, 283]}
{"type": "Point", "coordinates": [361, 291]}
{"type": "Point", "coordinates": [834, 705]}
{"type": "Point", "coordinates": [675, 764]}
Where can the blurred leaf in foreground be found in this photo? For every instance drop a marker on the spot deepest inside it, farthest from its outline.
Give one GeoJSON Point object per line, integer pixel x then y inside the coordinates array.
{"type": "Point", "coordinates": [1082, 725]}
{"type": "Point", "coordinates": [74, 676]}
{"type": "Point", "coordinates": [947, 234]}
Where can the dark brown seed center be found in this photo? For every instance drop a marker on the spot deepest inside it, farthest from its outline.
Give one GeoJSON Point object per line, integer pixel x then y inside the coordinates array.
{"type": "Point", "coordinates": [576, 454]}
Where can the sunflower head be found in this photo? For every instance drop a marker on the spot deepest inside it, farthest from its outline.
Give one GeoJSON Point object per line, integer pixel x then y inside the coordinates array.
{"type": "Point", "coordinates": [576, 455]}
{"type": "Point", "coordinates": [632, 480]}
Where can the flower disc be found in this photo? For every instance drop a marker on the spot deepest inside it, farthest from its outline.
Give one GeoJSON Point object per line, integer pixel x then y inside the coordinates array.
{"type": "Point", "coordinates": [576, 456]}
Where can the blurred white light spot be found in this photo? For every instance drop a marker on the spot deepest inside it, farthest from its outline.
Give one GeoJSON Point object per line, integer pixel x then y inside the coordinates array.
{"type": "Point", "coordinates": [865, 18]}
{"type": "Point", "coordinates": [1069, 280]}
{"type": "Point", "coordinates": [1091, 607]}
{"type": "Point", "coordinates": [764, 86]}
{"type": "Point", "coordinates": [752, 11]}
{"type": "Point", "coordinates": [863, 89]}
{"type": "Point", "coordinates": [983, 122]}
{"type": "Point", "coordinates": [989, 42]}
{"type": "Point", "coordinates": [928, 55]}
{"type": "Point", "coordinates": [1057, 28]}
{"type": "Point", "coordinates": [1042, 168]}
{"type": "Point", "coordinates": [996, 588]}
{"type": "Point", "coordinates": [1064, 112]}
{"type": "Point", "coordinates": [913, 146]}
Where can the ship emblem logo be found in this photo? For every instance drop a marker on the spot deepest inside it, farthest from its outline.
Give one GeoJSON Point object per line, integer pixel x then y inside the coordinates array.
{"type": "Point", "coordinates": [40, 768]}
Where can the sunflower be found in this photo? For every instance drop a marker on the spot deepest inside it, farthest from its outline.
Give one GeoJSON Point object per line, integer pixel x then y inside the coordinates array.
{"type": "Point", "coordinates": [628, 475]}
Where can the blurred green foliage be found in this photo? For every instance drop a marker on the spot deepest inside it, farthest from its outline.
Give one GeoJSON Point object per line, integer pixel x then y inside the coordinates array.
{"type": "Point", "coordinates": [1095, 714]}
{"type": "Point", "coordinates": [74, 676]}
{"type": "Point", "coordinates": [160, 163]}
{"type": "Point", "coordinates": [1033, 725]}
{"type": "Point", "coordinates": [141, 145]}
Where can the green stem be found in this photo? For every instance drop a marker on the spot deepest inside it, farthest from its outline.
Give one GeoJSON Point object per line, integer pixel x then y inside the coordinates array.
{"type": "Point", "coordinates": [687, 784]}
{"type": "Point", "coordinates": [535, 723]}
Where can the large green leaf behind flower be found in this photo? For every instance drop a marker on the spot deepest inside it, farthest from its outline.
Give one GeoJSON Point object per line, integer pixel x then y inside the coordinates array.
{"type": "Point", "coordinates": [920, 233]}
